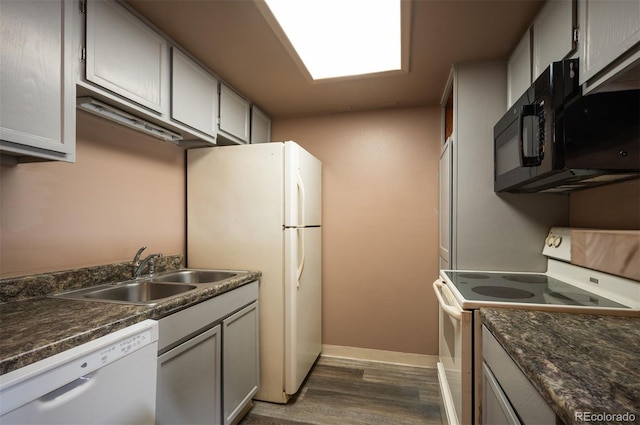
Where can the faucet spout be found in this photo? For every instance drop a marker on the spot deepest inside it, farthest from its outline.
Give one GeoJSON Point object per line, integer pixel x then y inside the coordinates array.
{"type": "Point", "coordinates": [137, 265]}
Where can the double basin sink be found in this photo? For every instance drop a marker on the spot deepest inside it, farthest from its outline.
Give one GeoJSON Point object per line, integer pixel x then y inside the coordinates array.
{"type": "Point", "coordinates": [150, 290]}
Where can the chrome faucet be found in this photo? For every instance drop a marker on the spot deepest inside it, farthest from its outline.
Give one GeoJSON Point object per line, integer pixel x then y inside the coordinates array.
{"type": "Point", "coordinates": [138, 266]}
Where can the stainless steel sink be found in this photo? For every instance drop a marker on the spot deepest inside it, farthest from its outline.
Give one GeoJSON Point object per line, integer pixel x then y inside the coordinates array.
{"type": "Point", "coordinates": [150, 290]}
{"type": "Point", "coordinates": [194, 276]}
{"type": "Point", "coordinates": [141, 292]}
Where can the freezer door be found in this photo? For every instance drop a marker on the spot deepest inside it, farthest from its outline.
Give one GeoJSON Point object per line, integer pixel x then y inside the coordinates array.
{"type": "Point", "coordinates": [303, 187]}
{"type": "Point", "coordinates": [303, 304]}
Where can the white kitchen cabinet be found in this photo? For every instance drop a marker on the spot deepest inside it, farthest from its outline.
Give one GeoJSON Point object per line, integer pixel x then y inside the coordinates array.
{"type": "Point", "coordinates": [519, 70]}
{"type": "Point", "coordinates": [260, 126]}
{"type": "Point", "coordinates": [445, 204]}
{"type": "Point", "coordinates": [189, 389]}
{"type": "Point", "coordinates": [241, 361]}
{"type": "Point", "coordinates": [235, 116]}
{"type": "Point", "coordinates": [208, 359]}
{"type": "Point", "coordinates": [549, 39]}
{"type": "Point", "coordinates": [194, 94]}
{"type": "Point", "coordinates": [126, 74]}
{"type": "Point", "coordinates": [37, 82]}
{"type": "Point", "coordinates": [609, 37]}
{"type": "Point", "coordinates": [488, 231]}
{"type": "Point", "coordinates": [126, 56]}
{"type": "Point", "coordinates": [552, 34]}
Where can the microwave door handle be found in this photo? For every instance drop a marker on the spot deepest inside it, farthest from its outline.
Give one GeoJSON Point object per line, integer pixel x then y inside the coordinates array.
{"type": "Point", "coordinates": [527, 161]}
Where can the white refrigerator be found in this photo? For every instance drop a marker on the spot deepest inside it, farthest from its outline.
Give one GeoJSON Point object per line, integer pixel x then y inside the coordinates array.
{"type": "Point", "coordinates": [259, 207]}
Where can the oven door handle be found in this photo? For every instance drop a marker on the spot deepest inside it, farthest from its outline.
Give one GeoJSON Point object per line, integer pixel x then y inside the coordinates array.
{"type": "Point", "coordinates": [439, 289]}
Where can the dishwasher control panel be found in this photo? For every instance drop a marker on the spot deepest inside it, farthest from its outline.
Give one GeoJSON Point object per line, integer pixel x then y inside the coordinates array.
{"type": "Point", "coordinates": [118, 350]}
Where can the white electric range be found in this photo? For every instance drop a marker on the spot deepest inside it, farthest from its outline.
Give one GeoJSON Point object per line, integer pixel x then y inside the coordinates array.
{"type": "Point", "coordinates": [564, 287]}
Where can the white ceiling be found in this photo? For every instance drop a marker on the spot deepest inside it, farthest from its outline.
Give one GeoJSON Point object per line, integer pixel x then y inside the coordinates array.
{"type": "Point", "coordinates": [233, 38]}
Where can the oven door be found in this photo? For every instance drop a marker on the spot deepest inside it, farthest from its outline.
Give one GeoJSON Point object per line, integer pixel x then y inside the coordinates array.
{"type": "Point", "coordinates": [455, 368]}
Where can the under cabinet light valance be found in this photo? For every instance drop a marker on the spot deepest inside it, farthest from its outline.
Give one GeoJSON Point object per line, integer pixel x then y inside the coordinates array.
{"type": "Point", "coordinates": [103, 110]}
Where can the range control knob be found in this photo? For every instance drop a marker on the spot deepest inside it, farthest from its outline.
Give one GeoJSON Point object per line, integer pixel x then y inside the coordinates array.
{"type": "Point", "coordinates": [549, 240]}
{"type": "Point", "coordinates": [557, 241]}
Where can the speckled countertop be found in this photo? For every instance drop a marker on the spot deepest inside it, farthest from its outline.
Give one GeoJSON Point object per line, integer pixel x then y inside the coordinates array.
{"type": "Point", "coordinates": [36, 328]}
{"type": "Point", "coordinates": [578, 363]}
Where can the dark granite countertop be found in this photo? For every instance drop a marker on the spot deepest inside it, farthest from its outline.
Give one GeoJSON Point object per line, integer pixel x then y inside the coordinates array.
{"type": "Point", "coordinates": [581, 364]}
{"type": "Point", "coordinates": [36, 328]}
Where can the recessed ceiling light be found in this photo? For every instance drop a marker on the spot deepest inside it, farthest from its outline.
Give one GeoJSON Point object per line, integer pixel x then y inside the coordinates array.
{"type": "Point", "coordinates": [338, 38]}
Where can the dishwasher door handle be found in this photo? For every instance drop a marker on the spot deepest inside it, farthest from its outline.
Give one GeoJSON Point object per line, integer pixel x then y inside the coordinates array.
{"type": "Point", "coordinates": [70, 390]}
{"type": "Point", "coordinates": [439, 288]}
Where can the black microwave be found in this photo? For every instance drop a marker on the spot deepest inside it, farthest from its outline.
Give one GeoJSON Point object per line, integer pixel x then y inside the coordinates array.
{"type": "Point", "coordinates": [555, 140]}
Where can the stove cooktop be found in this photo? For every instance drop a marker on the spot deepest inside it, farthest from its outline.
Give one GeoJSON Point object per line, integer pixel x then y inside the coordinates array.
{"type": "Point", "coordinates": [527, 288]}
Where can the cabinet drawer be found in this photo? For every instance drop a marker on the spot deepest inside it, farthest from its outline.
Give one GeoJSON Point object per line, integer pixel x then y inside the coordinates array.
{"type": "Point", "coordinates": [180, 326]}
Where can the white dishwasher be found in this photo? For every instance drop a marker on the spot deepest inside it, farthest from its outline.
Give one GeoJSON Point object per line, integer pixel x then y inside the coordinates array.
{"type": "Point", "coordinates": [110, 380]}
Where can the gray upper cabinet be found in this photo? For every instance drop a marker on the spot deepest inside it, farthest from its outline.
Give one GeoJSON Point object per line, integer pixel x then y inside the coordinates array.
{"type": "Point", "coordinates": [194, 94]}
{"type": "Point", "coordinates": [552, 34]}
{"type": "Point", "coordinates": [260, 126]}
{"type": "Point", "coordinates": [519, 70]}
{"type": "Point", "coordinates": [235, 116]}
{"type": "Point", "coordinates": [37, 82]}
{"type": "Point", "coordinates": [550, 38]}
{"type": "Point", "coordinates": [124, 55]}
{"type": "Point", "coordinates": [610, 33]}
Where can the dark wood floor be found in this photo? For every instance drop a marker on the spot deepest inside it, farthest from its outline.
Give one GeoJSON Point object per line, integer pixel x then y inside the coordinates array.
{"type": "Point", "coordinates": [342, 391]}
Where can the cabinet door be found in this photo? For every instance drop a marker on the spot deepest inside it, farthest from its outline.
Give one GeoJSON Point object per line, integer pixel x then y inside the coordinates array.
{"type": "Point", "coordinates": [519, 70]}
{"type": "Point", "coordinates": [234, 115]}
{"type": "Point", "coordinates": [241, 362]}
{"type": "Point", "coordinates": [189, 389]}
{"type": "Point", "coordinates": [552, 34]}
{"type": "Point", "coordinates": [610, 29]}
{"type": "Point", "coordinates": [446, 190]}
{"type": "Point", "coordinates": [37, 82]}
{"type": "Point", "coordinates": [194, 94]}
{"type": "Point", "coordinates": [260, 126]}
{"type": "Point", "coordinates": [124, 55]}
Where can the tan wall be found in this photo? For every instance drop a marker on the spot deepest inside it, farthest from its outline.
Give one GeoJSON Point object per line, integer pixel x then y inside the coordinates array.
{"type": "Point", "coordinates": [380, 219]}
{"type": "Point", "coordinates": [616, 206]}
{"type": "Point", "coordinates": [59, 216]}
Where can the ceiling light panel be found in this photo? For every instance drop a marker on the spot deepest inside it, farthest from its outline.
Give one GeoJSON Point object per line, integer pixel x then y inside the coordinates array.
{"type": "Point", "coordinates": [338, 38]}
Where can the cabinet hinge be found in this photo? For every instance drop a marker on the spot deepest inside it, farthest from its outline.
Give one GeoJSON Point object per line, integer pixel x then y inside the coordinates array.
{"type": "Point", "coordinates": [576, 35]}
{"type": "Point", "coordinates": [83, 54]}
{"type": "Point", "coordinates": [83, 6]}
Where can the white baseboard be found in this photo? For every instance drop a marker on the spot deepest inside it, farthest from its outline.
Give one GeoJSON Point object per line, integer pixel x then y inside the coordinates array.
{"type": "Point", "coordinates": [381, 356]}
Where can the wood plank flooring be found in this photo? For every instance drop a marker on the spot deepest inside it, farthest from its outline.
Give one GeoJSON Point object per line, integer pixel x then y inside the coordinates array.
{"type": "Point", "coordinates": [340, 391]}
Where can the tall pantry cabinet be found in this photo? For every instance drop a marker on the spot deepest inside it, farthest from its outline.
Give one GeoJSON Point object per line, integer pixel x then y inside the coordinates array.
{"type": "Point", "coordinates": [479, 229]}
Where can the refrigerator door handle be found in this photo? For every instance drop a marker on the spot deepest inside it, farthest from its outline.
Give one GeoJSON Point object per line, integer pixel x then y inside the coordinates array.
{"type": "Point", "coordinates": [300, 267]}
{"type": "Point", "coordinates": [301, 200]}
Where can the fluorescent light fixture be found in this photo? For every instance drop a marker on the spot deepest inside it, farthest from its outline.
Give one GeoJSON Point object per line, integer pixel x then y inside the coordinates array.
{"type": "Point", "coordinates": [103, 110]}
{"type": "Point", "coordinates": [338, 38]}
